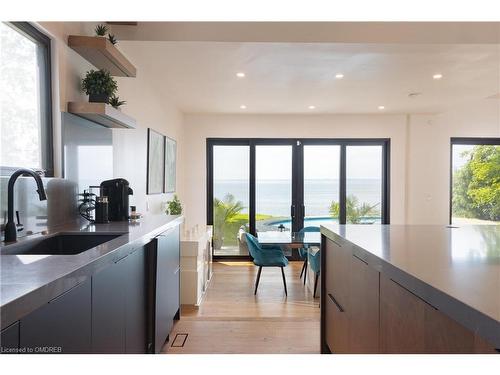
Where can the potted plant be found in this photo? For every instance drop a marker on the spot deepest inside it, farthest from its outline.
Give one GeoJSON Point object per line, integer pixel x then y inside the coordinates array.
{"type": "Point", "coordinates": [99, 85]}
{"type": "Point", "coordinates": [112, 39]}
{"type": "Point", "coordinates": [174, 207]}
{"type": "Point", "coordinates": [101, 30]}
{"type": "Point", "coordinates": [115, 102]}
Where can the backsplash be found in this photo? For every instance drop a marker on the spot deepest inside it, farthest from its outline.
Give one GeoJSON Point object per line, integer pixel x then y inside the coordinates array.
{"type": "Point", "coordinates": [60, 206]}
{"type": "Point", "coordinates": [87, 151]}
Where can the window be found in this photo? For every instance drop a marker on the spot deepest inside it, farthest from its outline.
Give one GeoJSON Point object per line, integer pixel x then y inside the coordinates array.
{"type": "Point", "coordinates": [475, 181]}
{"type": "Point", "coordinates": [25, 104]}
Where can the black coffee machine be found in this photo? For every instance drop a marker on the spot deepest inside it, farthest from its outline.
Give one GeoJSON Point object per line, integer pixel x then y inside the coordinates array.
{"type": "Point", "coordinates": [117, 191]}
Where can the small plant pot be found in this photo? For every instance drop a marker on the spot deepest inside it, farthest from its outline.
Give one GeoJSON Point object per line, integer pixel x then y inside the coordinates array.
{"type": "Point", "coordinates": [217, 242]}
{"type": "Point", "coordinates": [98, 98]}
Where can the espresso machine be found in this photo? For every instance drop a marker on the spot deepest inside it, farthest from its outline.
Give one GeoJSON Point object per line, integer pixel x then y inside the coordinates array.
{"type": "Point", "coordinates": [117, 191]}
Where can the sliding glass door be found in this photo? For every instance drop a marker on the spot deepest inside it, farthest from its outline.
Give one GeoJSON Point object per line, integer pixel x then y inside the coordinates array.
{"type": "Point", "coordinates": [231, 198]}
{"type": "Point", "coordinates": [364, 178]}
{"type": "Point", "coordinates": [321, 184]}
{"type": "Point", "coordinates": [256, 185]}
{"type": "Point", "coordinates": [273, 187]}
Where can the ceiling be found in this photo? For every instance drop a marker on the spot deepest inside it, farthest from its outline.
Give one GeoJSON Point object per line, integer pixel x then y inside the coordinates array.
{"type": "Point", "coordinates": [200, 77]}
{"type": "Point", "coordinates": [313, 32]}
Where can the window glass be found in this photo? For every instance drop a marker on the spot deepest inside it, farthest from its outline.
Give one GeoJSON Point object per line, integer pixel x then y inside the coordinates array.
{"type": "Point", "coordinates": [231, 189]}
{"type": "Point", "coordinates": [364, 184]}
{"type": "Point", "coordinates": [475, 184]}
{"type": "Point", "coordinates": [23, 99]}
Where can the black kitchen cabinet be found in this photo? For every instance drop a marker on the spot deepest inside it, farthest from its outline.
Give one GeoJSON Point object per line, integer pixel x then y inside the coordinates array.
{"type": "Point", "coordinates": [135, 302]}
{"type": "Point", "coordinates": [108, 309]}
{"type": "Point", "coordinates": [61, 326]}
{"type": "Point", "coordinates": [119, 319]}
{"type": "Point", "coordinates": [165, 278]}
{"type": "Point", "coordinates": [9, 339]}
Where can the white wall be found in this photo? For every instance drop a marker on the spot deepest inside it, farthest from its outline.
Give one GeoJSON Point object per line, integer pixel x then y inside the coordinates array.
{"type": "Point", "coordinates": [200, 127]}
{"type": "Point", "coordinates": [428, 162]}
{"type": "Point", "coordinates": [130, 146]}
{"type": "Point", "coordinates": [143, 103]}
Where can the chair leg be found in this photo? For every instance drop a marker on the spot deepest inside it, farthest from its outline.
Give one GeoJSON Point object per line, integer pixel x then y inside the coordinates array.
{"type": "Point", "coordinates": [257, 281]}
{"type": "Point", "coordinates": [305, 271]}
{"type": "Point", "coordinates": [284, 280]}
{"type": "Point", "coordinates": [303, 268]}
{"type": "Point", "coordinates": [315, 285]}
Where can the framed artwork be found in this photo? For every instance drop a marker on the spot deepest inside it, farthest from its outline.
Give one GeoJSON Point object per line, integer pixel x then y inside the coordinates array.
{"type": "Point", "coordinates": [156, 162]}
{"type": "Point", "coordinates": [170, 164]}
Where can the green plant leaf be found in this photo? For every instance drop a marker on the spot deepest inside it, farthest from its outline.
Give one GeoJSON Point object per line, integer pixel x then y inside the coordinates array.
{"type": "Point", "coordinates": [101, 30]}
{"type": "Point", "coordinates": [99, 82]}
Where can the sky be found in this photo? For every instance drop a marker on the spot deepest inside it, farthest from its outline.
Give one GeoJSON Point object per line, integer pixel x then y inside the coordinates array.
{"type": "Point", "coordinates": [275, 162]}
{"type": "Point", "coordinates": [458, 159]}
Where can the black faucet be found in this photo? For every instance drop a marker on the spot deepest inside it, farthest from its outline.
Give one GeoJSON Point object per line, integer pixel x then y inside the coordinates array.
{"type": "Point", "coordinates": [10, 227]}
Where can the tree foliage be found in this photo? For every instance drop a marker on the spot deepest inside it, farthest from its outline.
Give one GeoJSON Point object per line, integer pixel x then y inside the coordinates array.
{"type": "Point", "coordinates": [225, 210]}
{"type": "Point", "coordinates": [476, 185]}
{"type": "Point", "coordinates": [354, 210]}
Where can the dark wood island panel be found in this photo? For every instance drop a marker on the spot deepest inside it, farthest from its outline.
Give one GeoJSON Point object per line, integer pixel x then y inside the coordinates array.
{"type": "Point", "coordinates": [366, 309]}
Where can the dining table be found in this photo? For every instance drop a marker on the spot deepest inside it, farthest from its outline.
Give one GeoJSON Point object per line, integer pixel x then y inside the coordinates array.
{"type": "Point", "coordinates": [290, 240]}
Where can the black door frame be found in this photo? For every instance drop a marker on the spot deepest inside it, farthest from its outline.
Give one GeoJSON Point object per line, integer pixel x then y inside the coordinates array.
{"type": "Point", "coordinates": [298, 209]}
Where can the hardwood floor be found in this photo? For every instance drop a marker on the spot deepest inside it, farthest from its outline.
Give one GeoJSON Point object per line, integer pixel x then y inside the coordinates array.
{"type": "Point", "coordinates": [232, 320]}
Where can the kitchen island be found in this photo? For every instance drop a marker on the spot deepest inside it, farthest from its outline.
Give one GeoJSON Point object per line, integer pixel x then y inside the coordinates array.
{"type": "Point", "coordinates": [410, 289]}
{"type": "Point", "coordinates": [101, 300]}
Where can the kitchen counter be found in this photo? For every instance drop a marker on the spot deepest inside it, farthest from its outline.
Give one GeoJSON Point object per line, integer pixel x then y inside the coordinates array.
{"type": "Point", "coordinates": [455, 269]}
{"type": "Point", "coordinates": [29, 281]}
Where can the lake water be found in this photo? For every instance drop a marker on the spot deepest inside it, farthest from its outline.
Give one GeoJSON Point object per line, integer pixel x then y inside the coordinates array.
{"type": "Point", "coordinates": [273, 197]}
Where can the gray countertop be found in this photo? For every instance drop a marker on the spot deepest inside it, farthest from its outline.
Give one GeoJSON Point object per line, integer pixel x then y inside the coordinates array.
{"type": "Point", "coordinates": [455, 269]}
{"type": "Point", "coordinates": [29, 281]}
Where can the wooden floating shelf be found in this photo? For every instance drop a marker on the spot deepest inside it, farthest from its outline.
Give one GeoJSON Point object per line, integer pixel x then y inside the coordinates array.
{"type": "Point", "coordinates": [101, 53]}
{"type": "Point", "coordinates": [102, 114]}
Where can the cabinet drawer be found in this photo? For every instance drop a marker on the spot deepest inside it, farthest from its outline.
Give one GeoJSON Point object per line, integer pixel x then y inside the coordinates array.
{"type": "Point", "coordinates": [481, 346]}
{"type": "Point", "coordinates": [9, 339]}
{"type": "Point", "coordinates": [338, 264]}
{"type": "Point", "coordinates": [61, 326]}
{"type": "Point", "coordinates": [336, 326]}
{"type": "Point", "coordinates": [364, 308]}
{"type": "Point", "coordinates": [169, 250]}
{"type": "Point", "coordinates": [108, 309]}
{"type": "Point", "coordinates": [402, 319]}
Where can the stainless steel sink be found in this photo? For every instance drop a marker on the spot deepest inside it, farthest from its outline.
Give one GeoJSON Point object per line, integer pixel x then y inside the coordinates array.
{"type": "Point", "coordinates": [59, 244]}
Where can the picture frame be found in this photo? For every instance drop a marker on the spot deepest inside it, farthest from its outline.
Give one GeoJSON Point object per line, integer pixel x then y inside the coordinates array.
{"type": "Point", "coordinates": [155, 163]}
{"type": "Point", "coordinates": [170, 165]}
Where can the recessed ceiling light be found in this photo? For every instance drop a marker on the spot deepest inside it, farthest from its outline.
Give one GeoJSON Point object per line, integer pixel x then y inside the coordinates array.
{"type": "Point", "coordinates": [243, 106]}
{"type": "Point", "coordinates": [381, 107]}
{"type": "Point", "coordinates": [312, 107]}
{"type": "Point", "coordinates": [437, 76]}
{"type": "Point", "coordinates": [240, 75]}
{"type": "Point", "coordinates": [339, 76]}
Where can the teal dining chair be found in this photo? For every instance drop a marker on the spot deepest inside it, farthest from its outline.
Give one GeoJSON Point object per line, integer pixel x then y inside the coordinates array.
{"type": "Point", "coordinates": [303, 252]}
{"type": "Point", "coordinates": [270, 256]}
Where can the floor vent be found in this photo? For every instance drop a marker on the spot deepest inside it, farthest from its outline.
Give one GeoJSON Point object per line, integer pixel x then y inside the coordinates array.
{"type": "Point", "coordinates": [179, 340]}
